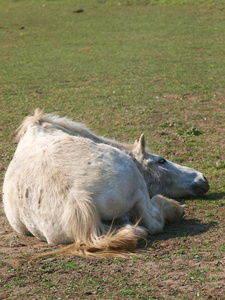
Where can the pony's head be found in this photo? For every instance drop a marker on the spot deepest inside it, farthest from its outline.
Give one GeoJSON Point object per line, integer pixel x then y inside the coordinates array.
{"type": "Point", "coordinates": [167, 178]}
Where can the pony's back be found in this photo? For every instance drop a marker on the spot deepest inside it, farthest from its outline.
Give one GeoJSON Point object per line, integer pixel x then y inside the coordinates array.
{"type": "Point", "coordinates": [68, 126]}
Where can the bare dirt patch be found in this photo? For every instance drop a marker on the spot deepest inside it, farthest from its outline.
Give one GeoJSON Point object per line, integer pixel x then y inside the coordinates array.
{"type": "Point", "coordinates": [187, 261]}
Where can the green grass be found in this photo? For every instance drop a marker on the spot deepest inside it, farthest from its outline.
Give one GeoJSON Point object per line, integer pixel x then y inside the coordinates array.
{"type": "Point", "coordinates": [135, 53]}
{"type": "Point", "coordinates": [123, 68]}
{"type": "Point", "coordinates": [111, 65]}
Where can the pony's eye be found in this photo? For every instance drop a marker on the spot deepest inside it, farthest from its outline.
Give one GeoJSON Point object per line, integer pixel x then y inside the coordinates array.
{"type": "Point", "coordinates": [161, 161]}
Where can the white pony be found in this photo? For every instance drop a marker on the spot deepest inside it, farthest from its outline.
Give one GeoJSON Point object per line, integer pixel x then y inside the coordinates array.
{"type": "Point", "coordinates": [64, 183]}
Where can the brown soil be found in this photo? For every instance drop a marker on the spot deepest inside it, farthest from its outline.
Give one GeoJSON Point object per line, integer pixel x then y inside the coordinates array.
{"type": "Point", "coordinates": [185, 262]}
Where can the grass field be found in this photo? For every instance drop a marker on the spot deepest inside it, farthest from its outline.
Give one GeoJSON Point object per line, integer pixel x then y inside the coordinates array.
{"type": "Point", "coordinates": [122, 68]}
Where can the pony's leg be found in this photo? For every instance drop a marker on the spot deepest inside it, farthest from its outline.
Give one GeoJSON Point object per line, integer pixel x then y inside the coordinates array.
{"type": "Point", "coordinates": [170, 210]}
{"type": "Point", "coordinates": [155, 212]}
{"type": "Point", "coordinates": [149, 215]}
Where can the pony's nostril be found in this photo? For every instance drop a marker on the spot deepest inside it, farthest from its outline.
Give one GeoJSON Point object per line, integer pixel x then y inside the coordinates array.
{"type": "Point", "coordinates": [205, 178]}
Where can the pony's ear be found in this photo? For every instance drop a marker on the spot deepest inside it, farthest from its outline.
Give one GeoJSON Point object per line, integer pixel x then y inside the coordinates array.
{"type": "Point", "coordinates": [135, 143]}
{"type": "Point", "coordinates": [139, 146]}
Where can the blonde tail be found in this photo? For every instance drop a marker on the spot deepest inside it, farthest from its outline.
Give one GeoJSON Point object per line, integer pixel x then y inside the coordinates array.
{"type": "Point", "coordinates": [116, 243]}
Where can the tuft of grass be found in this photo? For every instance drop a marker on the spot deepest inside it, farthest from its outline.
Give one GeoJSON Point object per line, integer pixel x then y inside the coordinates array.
{"type": "Point", "coordinates": [192, 131]}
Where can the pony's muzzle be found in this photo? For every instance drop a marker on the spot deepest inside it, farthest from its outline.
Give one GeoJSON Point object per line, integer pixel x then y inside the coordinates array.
{"type": "Point", "coordinates": [201, 186]}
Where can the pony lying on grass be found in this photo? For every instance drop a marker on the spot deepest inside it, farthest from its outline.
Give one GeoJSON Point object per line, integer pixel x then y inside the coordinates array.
{"type": "Point", "coordinates": [64, 184]}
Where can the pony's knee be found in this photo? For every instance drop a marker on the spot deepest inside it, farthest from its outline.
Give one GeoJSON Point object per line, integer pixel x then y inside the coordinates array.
{"type": "Point", "coordinates": [152, 220]}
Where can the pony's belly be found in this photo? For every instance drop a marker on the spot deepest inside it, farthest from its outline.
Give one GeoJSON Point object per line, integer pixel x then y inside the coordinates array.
{"type": "Point", "coordinates": [110, 209]}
